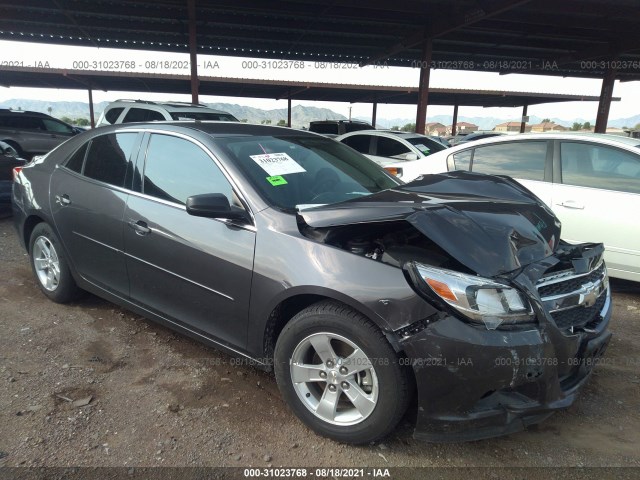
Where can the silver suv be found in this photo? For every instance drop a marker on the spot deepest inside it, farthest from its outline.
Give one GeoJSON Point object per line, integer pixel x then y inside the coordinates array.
{"type": "Point", "coordinates": [128, 111]}
{"type": "Point", "coordinates": [33, 133]}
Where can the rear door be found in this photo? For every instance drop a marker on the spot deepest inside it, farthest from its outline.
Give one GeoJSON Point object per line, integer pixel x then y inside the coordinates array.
{"type": "Point", "coordinates": [57, 132]}
{"type": "Point", "coordinates": [88, 195]}
{"type": "Point", "coordinates": [597, 198]}
{"type": "Point", "coordinates": [529, 162]}
{"type": "Point", "coordinates": [190, 270]}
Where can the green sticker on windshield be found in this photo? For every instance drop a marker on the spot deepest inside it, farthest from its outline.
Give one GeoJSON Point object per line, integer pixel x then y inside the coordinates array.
{"type": "Point", "coordinates": [276, 180]}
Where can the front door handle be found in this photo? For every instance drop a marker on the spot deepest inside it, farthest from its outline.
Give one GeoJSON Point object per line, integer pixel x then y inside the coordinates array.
{"type": "Point", "coordinates": [63, 200]}
{"type": "Point", "coordinates": [572, 204]}
{"type": "Point", "coordinates": [140, 227]}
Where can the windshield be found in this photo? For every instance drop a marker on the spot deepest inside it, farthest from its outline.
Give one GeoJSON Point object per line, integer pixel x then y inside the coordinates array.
{"type": "Point", "coordinates": [291, 172]}
{"type": "Point", "coordinates": [224, 117]}
{"type": "Point", "coordinates": [426, 145]}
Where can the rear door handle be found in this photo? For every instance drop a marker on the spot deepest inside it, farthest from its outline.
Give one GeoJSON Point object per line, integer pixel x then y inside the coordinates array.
{"type": "Point", "coordinates": [63, 200]}
{"type": "Point", "coordinates": [571, 204]}
{"type": "Point", "coordinates": [140, 227]}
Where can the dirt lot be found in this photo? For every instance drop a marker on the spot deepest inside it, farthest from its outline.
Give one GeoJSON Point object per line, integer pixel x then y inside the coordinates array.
{"type": "Point", "coordinates": [159, 399]}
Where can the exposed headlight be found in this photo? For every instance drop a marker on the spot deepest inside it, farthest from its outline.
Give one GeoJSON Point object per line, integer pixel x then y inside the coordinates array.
{"type": "Point", "coordinates": [479, 299]}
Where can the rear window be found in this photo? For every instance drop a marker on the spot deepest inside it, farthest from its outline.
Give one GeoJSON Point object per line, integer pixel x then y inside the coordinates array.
{"type": "Point", "coordinates": [324, 128]}
{"type": "Point", "coordinates": [112, 115]}
{"type": "Point", "coordinates": [142, 115]}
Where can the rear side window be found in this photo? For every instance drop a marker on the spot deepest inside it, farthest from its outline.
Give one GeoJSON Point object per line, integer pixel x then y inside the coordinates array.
{"type": "Point", "coordinates": [324, 128]}
{"type": "Point", "coordinates": [176, 169]}
{"type": "Point", "coordinates": [142, 115]}
{"type": "Point", "coordinates": [358, 142]}
{"type": "Point", "coordinates": [523, 160]}
{"type": "Point", "coordinates": [388, 147]}
{"type": "Point", "coordinates": [57, 127]}
{"type": "Point", "coordinates": [596, 166]}
{"type": "Point", "coordinates": [112, 115]}
{"type": "Point", "coordinates": [77, 159]}
{"type": "Point", "coordinates": [108, 158]}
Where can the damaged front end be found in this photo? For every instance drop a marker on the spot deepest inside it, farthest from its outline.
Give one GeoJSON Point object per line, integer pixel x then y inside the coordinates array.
{"type": "Point", "coordinates": [522, 317]}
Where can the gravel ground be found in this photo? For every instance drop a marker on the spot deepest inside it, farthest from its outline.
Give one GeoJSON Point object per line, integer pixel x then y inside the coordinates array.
{"type": "Point", "coordinates": [90, 384]}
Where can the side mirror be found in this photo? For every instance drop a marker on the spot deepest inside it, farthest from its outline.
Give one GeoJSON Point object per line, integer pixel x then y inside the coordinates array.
{"type": "Point", "coordinates": [411, 156]}
{"type": "Point", "coordinates": [214, 205]}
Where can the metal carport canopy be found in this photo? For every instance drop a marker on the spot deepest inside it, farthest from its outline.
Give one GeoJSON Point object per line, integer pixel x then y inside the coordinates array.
{"type": "Point", "coordinates": [534, 36]}
{"type": "Point", "coordinates": [276, 89]}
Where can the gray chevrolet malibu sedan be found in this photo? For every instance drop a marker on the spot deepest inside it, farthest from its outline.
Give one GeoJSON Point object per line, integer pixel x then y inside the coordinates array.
{"type": "Point", "coordinates": [302, 256]}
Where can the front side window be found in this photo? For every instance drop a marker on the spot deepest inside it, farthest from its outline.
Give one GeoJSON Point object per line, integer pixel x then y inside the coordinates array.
{"type": "Point", "coordinates": [523, 160]}
{"type": "Point", "coordinates": [176, 169]}
{"type": "Point", "coordinates": [108, 158]}
{"type": "Point", "coordinates": [388, 147]}
{"type": "Point", "coordinates": [596, 166]}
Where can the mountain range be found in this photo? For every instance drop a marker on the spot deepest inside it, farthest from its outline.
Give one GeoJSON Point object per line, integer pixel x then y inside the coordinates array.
{"type": "Point", "coordinates": [300, 115]}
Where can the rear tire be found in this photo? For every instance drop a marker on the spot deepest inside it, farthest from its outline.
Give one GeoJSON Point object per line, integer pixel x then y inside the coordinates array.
{"type": "Point", "coordinates": [339, 374]}
{"type": "Point", "coordinates": [50, 266]}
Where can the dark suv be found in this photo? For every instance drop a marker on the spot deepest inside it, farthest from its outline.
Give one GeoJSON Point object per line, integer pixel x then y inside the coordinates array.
{"type": "Point", "coordinates": [33, 133]}
{"type": "Point", "coordinates": [333, 128]}
{"type": "Point", "coordinates": [299, 254]}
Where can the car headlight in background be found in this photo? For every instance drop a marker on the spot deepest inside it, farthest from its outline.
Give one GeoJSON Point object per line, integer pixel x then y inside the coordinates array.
{"type": "Point", "coordinates": [479, 299]}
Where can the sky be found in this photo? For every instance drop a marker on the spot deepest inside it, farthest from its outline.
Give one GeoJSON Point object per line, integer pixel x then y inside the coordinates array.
{"type": "Point", "coordinates": [60, 56]}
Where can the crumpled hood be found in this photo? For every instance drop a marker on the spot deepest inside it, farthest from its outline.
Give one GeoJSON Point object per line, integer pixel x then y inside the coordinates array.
{"type": "Point", "coordinates": [492, 225]}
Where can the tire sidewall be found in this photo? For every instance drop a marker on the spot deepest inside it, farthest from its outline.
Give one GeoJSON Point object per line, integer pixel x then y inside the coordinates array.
{"type": "Point", "coordinates": [384, 360]}
{"type": "Point", "coordinates": [66, 289]}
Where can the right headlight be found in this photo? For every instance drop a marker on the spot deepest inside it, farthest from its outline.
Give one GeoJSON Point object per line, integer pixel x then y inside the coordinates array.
{"type": "Point", "coordinates": [479, 299]}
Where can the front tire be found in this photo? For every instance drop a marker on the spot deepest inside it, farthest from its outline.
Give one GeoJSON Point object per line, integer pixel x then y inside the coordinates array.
{"type": "Point", "coordinates": [50, 266]}
{"type": "Point", "coordinates": [339, 374]}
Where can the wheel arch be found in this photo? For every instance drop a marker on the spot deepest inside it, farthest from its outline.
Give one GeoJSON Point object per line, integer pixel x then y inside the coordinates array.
{"type": "Point", "coordinates": [297, 300]}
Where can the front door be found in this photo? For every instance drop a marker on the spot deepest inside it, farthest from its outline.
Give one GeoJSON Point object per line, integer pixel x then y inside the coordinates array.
{"type": "Point", "coordinates": [191, 270]}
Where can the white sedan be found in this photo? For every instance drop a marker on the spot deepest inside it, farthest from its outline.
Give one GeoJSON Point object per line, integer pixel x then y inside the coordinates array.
{"type": "Point", "coordinates": [388, 147]}
{"type": "Point", "coordinates": [590, 181]}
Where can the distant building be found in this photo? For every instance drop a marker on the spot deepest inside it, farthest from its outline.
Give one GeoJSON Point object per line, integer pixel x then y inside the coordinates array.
{"type": "Point", "coordinates": [465, 127]}
{"type": "Point", "coordinates": [510, 127]}
{"type": "Point", "coordinates": [435, 128]}
{"type": "Point", "coordinates": [548, 127]}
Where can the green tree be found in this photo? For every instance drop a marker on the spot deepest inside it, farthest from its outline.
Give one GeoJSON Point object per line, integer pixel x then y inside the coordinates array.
{"type": "Point", "coordinates": [244, 120]}
{"type": "Point", "coordinates": [67, 120]}
{"type": "Point", "coordinates": [282, 123]}
{"type": "Point", "coordinates": [395, 127]}
{"type": "Point", "coordinates": [82, 122]}
{"type": "Point", "coordinates": [49, 109]}
{"type": "Point", "coordinates": [409, 127]}
{"type": "Point", "coordinates": [266, 122]}
{"type": "Point", "coordinates": [544, 120]}
{"type": "Point", "coordinates": [637, 127]}
{"type": "Point", "coordinates": [586, 126]}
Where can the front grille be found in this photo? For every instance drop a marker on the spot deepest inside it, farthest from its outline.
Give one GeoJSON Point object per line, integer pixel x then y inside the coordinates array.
{"type": "Point", "coordinates": [572, 284]}
{"type": "Point", "coordinates": [579, 316]}
{"type": "Point", "coordinates": [575, 300]}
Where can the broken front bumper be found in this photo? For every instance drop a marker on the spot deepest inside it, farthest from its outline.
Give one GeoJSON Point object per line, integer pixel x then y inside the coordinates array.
{"type": "Point", "coordinates": [475, 383]}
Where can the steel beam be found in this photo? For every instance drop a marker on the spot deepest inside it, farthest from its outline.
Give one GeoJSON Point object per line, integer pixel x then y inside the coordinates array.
{"type": "Point", "coordinates": [423, 88]}
{"type": "Point", "coordinates": [605, 101]}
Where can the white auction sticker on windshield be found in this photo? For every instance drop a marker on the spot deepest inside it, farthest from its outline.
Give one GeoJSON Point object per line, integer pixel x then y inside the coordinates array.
{"type": "Point", "coordinates": [277, 163]}
{"type": "Point", "coordinates": [423, 148]}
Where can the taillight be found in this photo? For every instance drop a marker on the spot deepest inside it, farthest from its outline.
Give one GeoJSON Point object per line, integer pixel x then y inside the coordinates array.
{"type": "Point", "coordinates": [397, 171]}
{"type": "Point", "coordinates": [16, 171]}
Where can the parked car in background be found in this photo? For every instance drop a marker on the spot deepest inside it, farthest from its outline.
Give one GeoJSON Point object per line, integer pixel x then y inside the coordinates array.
{"type": "Point", "coordinates": [33, 133]}
{"type": "Point", "coordinates": [9, 159]}
{"type": "Point", "coordinates": [590, 181]}
{"type": "Point", "coordinates": [441, 140]}
{"type": "Point", "coordinates": [387, 147]}
{"type": "Point", "coordinates": [472, 137]}
{"type": "Point", "coordinates": [346, 299]}
{"type": "Point", "coordinates": [129, 111]}
{"type": "Point", "coordinates": [333, 128]}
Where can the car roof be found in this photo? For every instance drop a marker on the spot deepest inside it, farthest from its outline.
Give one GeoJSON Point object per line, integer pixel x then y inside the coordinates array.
{"type": "Point", "coordinates": [213, 128]}
{"type": "Point", "coordinates": [593, 137]}
{"type": "Point", "coordinates": [168, 106]}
